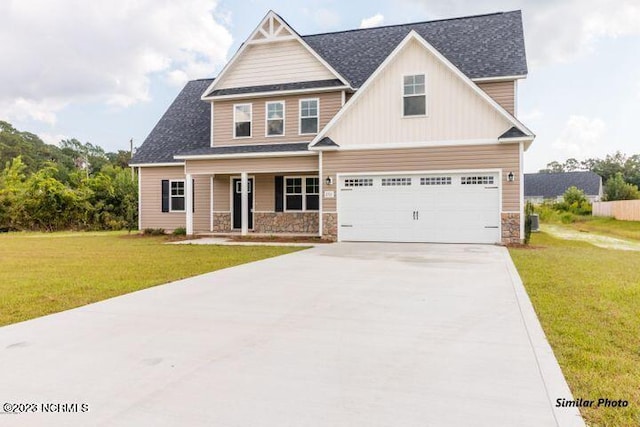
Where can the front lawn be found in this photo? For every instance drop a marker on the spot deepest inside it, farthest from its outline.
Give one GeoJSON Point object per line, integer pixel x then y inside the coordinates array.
{"type": "Point", "coordinates": [609, 226]}
{"type": "Point", "coordinates": [46, 273]}
{"type": "Point", "coordinates": [588, 301]}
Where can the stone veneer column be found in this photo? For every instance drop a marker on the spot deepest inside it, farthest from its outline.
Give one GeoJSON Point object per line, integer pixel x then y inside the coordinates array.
{"type": "Point", "coordinates": [330, 226]}
{"type": "Point", "coordinates": [222, 222]}
{"type": "Point", "coordinates": [511, 228]}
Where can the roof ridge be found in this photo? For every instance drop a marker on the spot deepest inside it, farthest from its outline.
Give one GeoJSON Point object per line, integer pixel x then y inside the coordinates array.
{"type": "Point", "coordinates": [202, 79]}
{"type": "Point", "coordinates": [412, 23]}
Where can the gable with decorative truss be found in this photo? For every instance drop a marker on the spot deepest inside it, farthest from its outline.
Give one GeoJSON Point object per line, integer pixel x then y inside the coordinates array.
{"type": "Point", "coordinates": [274, 54]}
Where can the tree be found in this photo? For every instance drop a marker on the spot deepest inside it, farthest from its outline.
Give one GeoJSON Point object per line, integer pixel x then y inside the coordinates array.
{"type": "Point", "coordinates": [574, 195]}
{"type": "Point", "coordinates": [617, 189]}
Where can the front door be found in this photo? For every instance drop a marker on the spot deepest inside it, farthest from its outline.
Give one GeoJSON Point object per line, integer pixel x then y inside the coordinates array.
{"type": "Point", "coordinates": [237, 203]}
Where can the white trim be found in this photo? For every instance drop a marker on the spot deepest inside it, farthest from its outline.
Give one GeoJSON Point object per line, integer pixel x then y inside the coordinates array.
{"type": "Point", "coordinates": [233, 130]}
{"type": "Point", "coordinates": [521, 183]}
{"type": "Point", "coordinates": [247, 155]}
{"type": "Point", "coordinates": [140, 199]}
{"type": "Point", "coordinates": [413, 35]}
{"type": "Point", "coordinates": [271, 15]}
{"type": "Point", "coordinates": [303, 188]}
{"type": "Point", "coordinates": [266, 119]}
{"type": "Point", "coordinates": [276, 92]}
{"type": "Point", "coordinates": [515, 98]}
{"type": "Point", "coordinates": [211, 202]}
{"type": "Point", "coordinates": [309, 117]}
{"type": "Point", "coordinates": [343, 97]}
{"type": "Point", "coordinates": [156, 165]}
{"type": "Point", "coordinates": [499, 78]}
{"type": "Point", "coordinates": [231, 191]}
{"type": "Point", "coordinates": [426, 104]}
{"type": "Point", "coordinates": [272, 40]}
{"type": "Point", "coordinates": [189, 189]}
{"type": "Point", "coordinates": [416, 144]}
{"type": "Point", "coordinates": [321, 191]}
{"type": "Point", "coordinates": [424, 172]}
{"type": "Point", "coordinates": [211, 127]}
{"type": "Point", "coordinates": [171, 181]}
{"type": "Point", "coordinates": [245, 187]}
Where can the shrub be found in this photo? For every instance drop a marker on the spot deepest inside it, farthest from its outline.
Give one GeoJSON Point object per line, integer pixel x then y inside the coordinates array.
{"type": "Point", "coordinates": [574, 195]}
{"type": "Point", "coordinates": [567, 218]}
{"type": "Point", "coordinates": [618, 189]}
{"type": "Point", "coordinates": [180, 231]}
{"type": "Point", "coordinates": [153, 232]}
{"type": "Point", "coordinates": [547, 213]}
{"type": "Point", "coordinates": [528, 210]}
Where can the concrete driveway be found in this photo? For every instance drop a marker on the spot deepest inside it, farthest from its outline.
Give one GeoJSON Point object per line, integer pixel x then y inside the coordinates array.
{"type": "Point", "coordinates": [338, 335]}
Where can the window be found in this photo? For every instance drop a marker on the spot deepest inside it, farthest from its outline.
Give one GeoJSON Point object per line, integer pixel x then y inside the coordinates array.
{"type": "Point", "coordinates": [471, 180]}
{"type": "Point", "coordinates": [413, 96]}
{"type": "Point", "coordinates": [302, 193]}
{"type": "Point", "coordinates": [275, 118]}
{"type": "Point", "coordinates": [358, 182]}
{"type": "Point", "coordinates": [177, 196]}
{"type": "Point", "coordinates": [388, 182]}
{"type": "Point", "coordinates": [309, 116]}
{"type": "Point", "coordinates": [242, 120]}
{"type": "Point", "coordinates": [435, 180]}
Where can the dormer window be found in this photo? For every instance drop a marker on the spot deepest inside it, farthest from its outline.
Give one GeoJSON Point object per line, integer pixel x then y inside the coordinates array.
{"type": "Point", "coordinates": [275, 118]}
{"type": "Point", "coordinates": [242, 120]}
{"type": "Point", "coordinates": [414, 96]}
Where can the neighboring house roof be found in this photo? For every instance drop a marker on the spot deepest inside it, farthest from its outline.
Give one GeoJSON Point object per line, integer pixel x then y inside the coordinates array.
{"type": "Point", "coordinates": [184, 126]}
{"type": "Point", "coordinates": [552, 185]}
{"type": "Point", "coordinates": [480, 46]}
{"type": "Point", "coordinates": [317, 84]}
{"type": "Point", "coordinates": [247, 149]}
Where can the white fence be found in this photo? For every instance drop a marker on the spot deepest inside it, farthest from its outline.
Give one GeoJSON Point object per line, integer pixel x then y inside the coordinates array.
{"type": "Point", "coordinates": [625, 210]}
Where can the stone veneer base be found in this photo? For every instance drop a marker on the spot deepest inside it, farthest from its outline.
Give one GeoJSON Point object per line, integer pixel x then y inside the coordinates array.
{"type": "Point", "coordinates": [286, 222]}
{"type": "Point", "coordinates": [510, 228]}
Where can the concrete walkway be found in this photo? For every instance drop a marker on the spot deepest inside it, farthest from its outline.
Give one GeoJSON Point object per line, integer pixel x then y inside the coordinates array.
{"type": "Point", "coordinates": [338, 335]}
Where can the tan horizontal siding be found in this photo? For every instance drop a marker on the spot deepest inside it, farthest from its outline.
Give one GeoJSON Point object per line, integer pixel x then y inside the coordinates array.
{"type": "Point", "coordinates": [202, 194]}
{"type": "Point", "coordinates": [501, 92]}
{"type": "Point", "coordinates": [253, 165]}
{"type": "Point", "coordinates": [221, 193]}
{"type": "Point", "coordinates": [505, 157]}
{"type": "Point", "coordinates": [223, 126]}
{"type": "Point", "coordinates": [274, 63]}
{"type": "Point", "coordinates": [265, 192]}
{"type": "Point", "coordinates": [151, 198]}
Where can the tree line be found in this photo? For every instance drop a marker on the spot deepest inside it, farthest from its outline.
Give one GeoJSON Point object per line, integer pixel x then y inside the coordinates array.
{"type": "Point", "coordinates": [620, 173]}
{"type": "Point", "coordinates": [70, 186]}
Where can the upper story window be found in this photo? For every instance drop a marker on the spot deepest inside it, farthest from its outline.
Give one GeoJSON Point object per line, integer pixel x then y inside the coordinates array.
{"type": "Point", "coordinates": [414, 96]}
{"type": "Point", "coordinates": [275, 118]}
{"type": "Point", "coordinates": [309, 115]}
{"type": "Point", "coordinates": [242, 120]}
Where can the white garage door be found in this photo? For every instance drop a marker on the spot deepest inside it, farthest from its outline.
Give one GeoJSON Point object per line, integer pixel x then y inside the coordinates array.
{"type": "Point", "coordinates": [441, 208]}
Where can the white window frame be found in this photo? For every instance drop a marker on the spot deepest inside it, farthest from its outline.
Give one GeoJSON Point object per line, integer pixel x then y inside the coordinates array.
{"type": "Point", "coordinates": [171, 196]}
{"type": "Point", "coordinates": [426, 103]}
{"type": "Point", "coordinates": [250, 120]}
{"type": "Point", "coordinates": [266, 119]}
{"type": "Point", "coordinates": [303, 194]}
{"type": "Point", "coordinates": [317, 116]}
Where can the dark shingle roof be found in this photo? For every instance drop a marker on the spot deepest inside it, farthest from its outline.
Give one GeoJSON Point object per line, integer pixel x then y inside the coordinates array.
{"type": "Point", "coordinates": [326, 142]}
{"type": "Point", "coordinates": [183, 127]}
{"type": "Point", "coordinates": [552, 185]}
{"type": "Point", "coordinates": [514, 132]}
{"type": "Point", "coordinates": [480, 46]}
{"type": "Point", "coordinates": [316, 84]}
{"type": "Point", "coordinates": [246, 149]}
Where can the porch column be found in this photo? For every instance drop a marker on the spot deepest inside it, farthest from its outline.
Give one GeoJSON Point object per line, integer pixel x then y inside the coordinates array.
{"type": "Point", "coordinates": [244, 197]}
{"type": "Point", "coordinates": [188, 189]}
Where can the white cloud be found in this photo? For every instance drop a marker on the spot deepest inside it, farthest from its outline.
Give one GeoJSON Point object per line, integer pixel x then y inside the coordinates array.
{"type": "Point", "coordinates": [581, 137]}
{"type": "Point", "coordinates": [326, 18]}
{"type": "Point", "coordinates": [74, 51]}
{"type": "Point", "coordinates": [556, 30]}
{"type": "Point", "coordinates": [373, 21]}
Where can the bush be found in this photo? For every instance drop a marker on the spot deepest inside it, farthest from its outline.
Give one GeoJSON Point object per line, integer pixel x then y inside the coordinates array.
{"type": "Point", "coordinates": [617, 189]}
{"type": "Point", "coordinates": [154, 232]}
{"type": "Point", "coordinates": [180, 231]}
{"type": "Point", "coordinates": [567, 218]}
{"type": "Point", "coordinates": [573, 195]}
{"type": "Point", "coordinates": [547, 212]}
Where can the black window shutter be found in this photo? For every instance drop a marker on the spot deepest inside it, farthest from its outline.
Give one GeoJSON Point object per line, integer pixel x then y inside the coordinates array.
{"type": "Point", "coordinates": [193, 195]}
{"type": "Point", "coordinates": [279, 183]}
{"type": "Point", "coordinates": [165, 195]}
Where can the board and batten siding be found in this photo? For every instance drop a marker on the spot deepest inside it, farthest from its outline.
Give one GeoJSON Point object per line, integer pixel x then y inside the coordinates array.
{"type": "Point", "coordinates": [223, 126]}
{"type": "Point", "coordinates": [501, 92]}
{"type": "Point", "coordinates": [455, 111]}
{"type": "Point", "coordinates": [505, 157]}
{"type": "Point", "coordinates": [274, 63]}
{"type": "Point", "coordinates": [151, 195]}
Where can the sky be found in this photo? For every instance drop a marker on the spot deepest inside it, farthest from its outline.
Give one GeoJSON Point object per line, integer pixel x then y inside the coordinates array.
{"type": "Point", "coordinates": [105, 72]}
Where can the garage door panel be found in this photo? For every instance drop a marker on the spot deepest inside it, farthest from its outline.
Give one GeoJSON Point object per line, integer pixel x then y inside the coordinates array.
{"type": "Point", "coordinates": [446, 208]}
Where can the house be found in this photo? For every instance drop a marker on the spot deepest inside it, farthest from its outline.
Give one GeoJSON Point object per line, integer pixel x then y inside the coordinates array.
{"type": "Point", "coordinates": [539, 187]}
{"type": "Point", "coordinates": [401, 133]}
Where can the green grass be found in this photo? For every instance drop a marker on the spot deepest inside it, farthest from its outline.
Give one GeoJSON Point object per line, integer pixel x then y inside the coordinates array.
{"type": "Point", "coordinates": [609, 227]}
{"type": "Point", "coordinates": [46, 273]}
{"type": "Point", "coordinates": [588, 301]}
